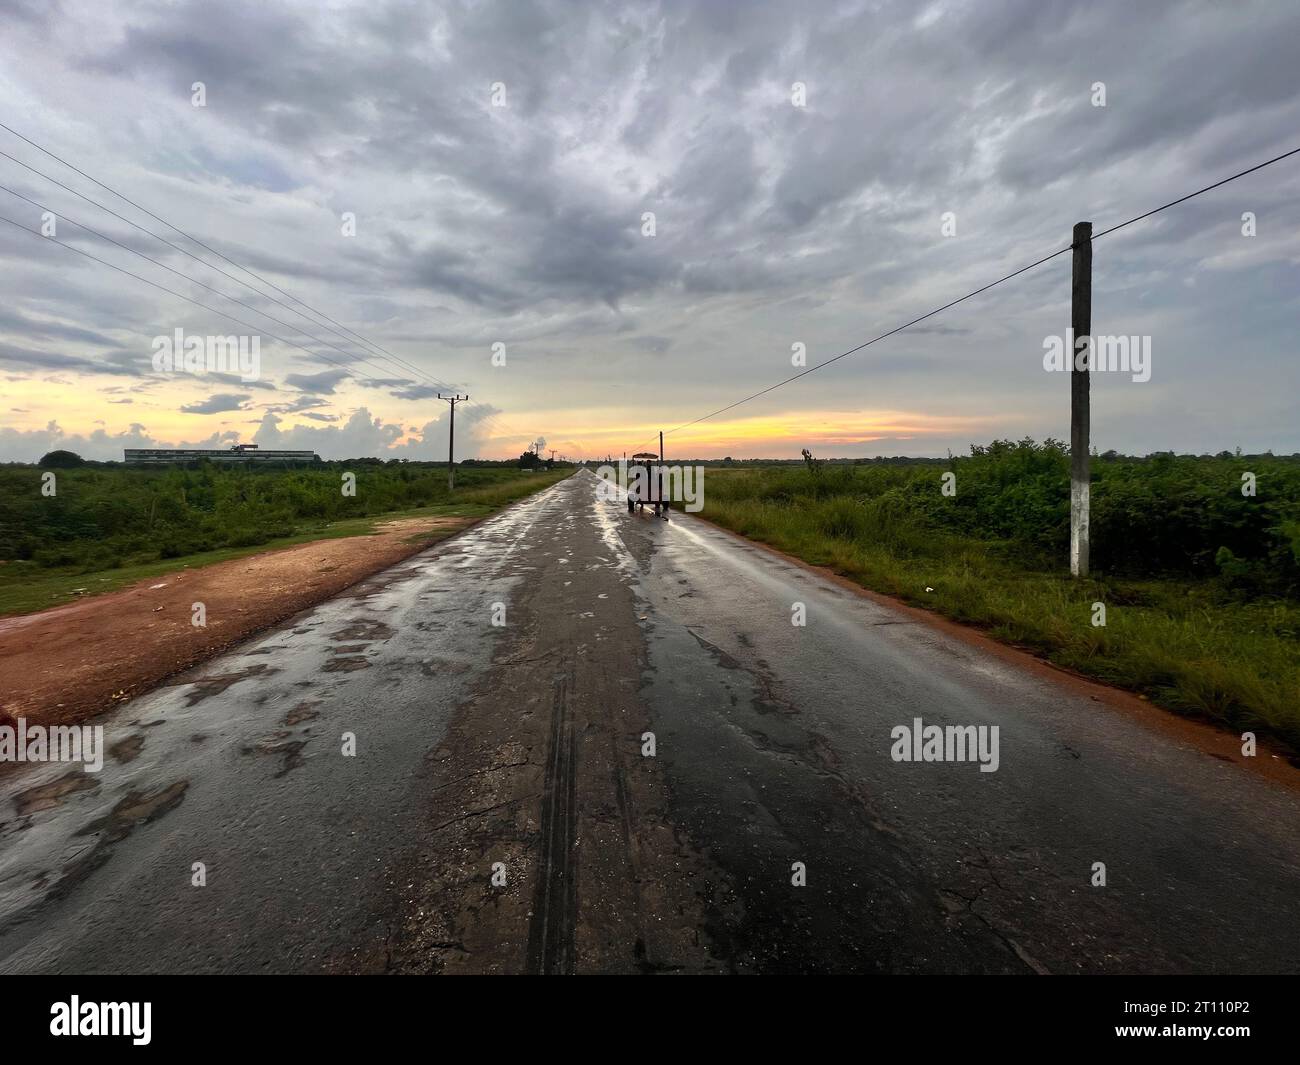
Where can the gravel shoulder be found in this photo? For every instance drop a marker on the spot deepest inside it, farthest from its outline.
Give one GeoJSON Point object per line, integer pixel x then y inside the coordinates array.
{"type": "Point", "coordinates": [72, 662]}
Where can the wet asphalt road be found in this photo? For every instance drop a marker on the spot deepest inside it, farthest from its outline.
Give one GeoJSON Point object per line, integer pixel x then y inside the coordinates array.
{"type": "Point", "coordinates": [522, 744]}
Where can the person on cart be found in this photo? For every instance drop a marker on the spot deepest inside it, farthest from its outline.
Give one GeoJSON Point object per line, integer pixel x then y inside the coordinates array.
{"type": "Point", "coordinates": [645, 486]}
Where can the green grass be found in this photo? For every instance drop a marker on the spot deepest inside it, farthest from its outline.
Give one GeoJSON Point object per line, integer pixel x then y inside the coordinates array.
{"type": "Point", "coordinates": [27, 587]}
{"type": "Point", "coordinates": [1193, 643]}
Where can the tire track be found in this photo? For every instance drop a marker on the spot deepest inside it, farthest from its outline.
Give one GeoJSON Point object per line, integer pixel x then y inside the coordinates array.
{"type": "Point", "coordinates": [550, 934]}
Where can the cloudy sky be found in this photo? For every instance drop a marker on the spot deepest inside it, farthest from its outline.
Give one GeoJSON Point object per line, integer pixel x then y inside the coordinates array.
{"type": "Point", "coordinates": [498, 161]}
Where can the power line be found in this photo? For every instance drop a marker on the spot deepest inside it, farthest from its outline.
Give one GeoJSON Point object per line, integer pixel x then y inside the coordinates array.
{"type": "Point", "coordinates": [178, 295]}
{"type": "Point", "coordinates": [187, 277]}
{"type": "Point", "coordinates": [157, 218]}
{"type": "Point", "coordinates": [982, 288]}
{"type": "Point", "coordinates": [882, 336]}
{"type": "Point", "coordinates": [338, 329]}
{"type": "Point", "coordinates": [174, 246]}
{"type": "Point", "coordinates": [1190, 195]}
{"type": "Point", "coordinates": [403, 367]}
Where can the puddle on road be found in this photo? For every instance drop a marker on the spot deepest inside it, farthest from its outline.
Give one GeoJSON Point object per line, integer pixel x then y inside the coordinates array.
{"type": "Point", "coordinates": [433, 667]}
{"type": "Point", "coordinates": [45, 796]}
{"type": "Point", "coordinates": [207, 687]}
{"type": "Point", "coordinates": [363, 629]}
{"type": "Point", "coordinates": [193, 743]}
{"type": "Point", "coordinates": [279, 743]}
{"type": "Point", "coordinates": [304, 711]}
{"type": "Point", "coordinates": [345, 664]}
{"type": "Point", "coordinates": [137, 808]}
{"type": "Point", "coordinates": [127, 748]}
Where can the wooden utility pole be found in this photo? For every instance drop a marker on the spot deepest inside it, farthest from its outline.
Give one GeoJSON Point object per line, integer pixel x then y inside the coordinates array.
{"type": "Point", "coordinates": [1081, 331]}
{"type": "Point", "coordinates": [452, 400]}
{"type": "Point", "coordinates": [660, 478]}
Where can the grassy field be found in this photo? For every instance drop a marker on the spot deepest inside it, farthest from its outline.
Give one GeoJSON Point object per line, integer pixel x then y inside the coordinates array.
{"type": "Point", "coordinates": [111, 526]}
{"type": "Point", "coordinates": [1201, 585]}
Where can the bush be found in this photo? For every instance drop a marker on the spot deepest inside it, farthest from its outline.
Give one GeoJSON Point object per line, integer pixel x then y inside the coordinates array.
{"type": "Point", "coordinates": [1167, 515]}
{"type": "Point", "coordinates": [61, 460]}
{"type": "Point", "coordinates": [106, 515]}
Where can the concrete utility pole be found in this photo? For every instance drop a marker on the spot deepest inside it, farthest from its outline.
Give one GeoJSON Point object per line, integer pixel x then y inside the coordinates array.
{"type": "Point", "coordinates": [451, 438]}
{"type": "Point", "coordinates": [1081, 328]}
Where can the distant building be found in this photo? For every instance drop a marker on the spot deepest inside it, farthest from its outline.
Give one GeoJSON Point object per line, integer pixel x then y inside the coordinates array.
{"type": "Point", "coordinates": [161, 456]}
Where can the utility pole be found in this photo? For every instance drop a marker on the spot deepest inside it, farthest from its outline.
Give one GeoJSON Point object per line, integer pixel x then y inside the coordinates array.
{"type": "Point", "coordinates": [452, 400]}
{"type": "Point", "coordinates": [1081, 330]}
{"type": "Point", "coordinates": [552, 450]}
{"type": "Point", "coordinates": [660, 478]}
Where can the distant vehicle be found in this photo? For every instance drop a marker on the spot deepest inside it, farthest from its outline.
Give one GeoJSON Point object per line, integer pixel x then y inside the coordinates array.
{"type": "Point", "coordinates": [243, 447]}
{"type": "Point", "coordinates": [645, 484]}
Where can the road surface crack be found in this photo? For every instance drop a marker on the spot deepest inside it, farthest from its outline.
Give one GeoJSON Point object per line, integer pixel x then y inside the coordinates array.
{"type": "Point", "coordinates": [480, 813]}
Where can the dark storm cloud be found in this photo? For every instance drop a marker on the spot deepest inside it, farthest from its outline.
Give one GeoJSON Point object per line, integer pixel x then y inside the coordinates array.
{"type": "Point", "coordinates": [898, 123]}
{"type": "Point", "coordinates": [321, 384]}
{"type": "Point", "coordinates": [217, 404]}
{"type": "Point", "coordinates": [774, 223]}
{"type": "Point", "coordinates": [401, 388]}
{"type": "Point", "coordinates": [13, 322]}
{"type": "Point", "coordinates": [113, 362]}
{"type": "Point", "coordinates": [300, 403]}
{"type": "Point", "coordinates": [417, 392]}
{"type": "Point", "coordinates": [38, 12]}
{"type": "Point", "coordinates": [235, 379]}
